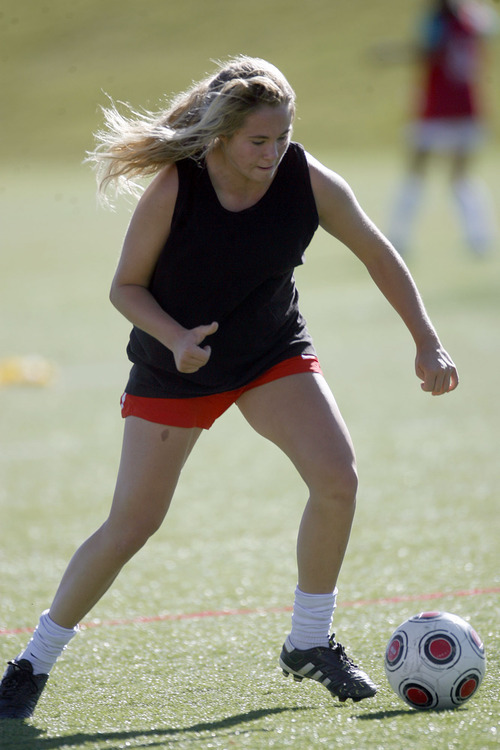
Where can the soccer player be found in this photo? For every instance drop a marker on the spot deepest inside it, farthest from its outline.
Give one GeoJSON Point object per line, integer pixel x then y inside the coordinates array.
{"type": "Point", "coordinates": [449, 120]}
{"type": "Point", "coordinates": [206, 277]}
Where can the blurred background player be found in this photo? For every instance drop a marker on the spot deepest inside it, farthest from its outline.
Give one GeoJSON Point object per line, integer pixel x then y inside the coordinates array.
{"type": "Point", "coordinates": [449, 118]}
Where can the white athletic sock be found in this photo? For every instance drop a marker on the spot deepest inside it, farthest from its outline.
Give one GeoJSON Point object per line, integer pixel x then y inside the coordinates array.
{"type": "Point", "coordinates": [476, 213]}
{"type": "Point", "coordinates": [47, 644]}
{"type": "Point", "coordinates": [312, 619]}
{"type": "Point", "coordinates": [404, 210]}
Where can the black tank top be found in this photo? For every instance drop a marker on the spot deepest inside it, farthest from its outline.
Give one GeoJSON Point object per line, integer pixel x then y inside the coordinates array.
{"type": "Point", "coordinates": [236, 268]}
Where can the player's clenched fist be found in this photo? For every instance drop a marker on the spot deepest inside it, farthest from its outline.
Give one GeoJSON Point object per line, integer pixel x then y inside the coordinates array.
{"type": "Point", "coordinates": [188, 354]}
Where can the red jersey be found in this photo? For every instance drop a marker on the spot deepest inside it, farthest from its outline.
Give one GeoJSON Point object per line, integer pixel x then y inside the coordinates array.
{"type": "Point", "coordinates": [451, 47]}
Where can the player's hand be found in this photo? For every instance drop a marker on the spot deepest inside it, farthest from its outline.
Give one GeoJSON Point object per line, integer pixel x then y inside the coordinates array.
{"type": "Point", "coordinates": [189, 356]}
{"type": "Point", "coordinates": [436, 370]}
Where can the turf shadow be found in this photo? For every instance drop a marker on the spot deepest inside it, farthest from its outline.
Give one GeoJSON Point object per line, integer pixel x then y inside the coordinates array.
{"type": "Point", "coordinates": [17, 733]}
{"type": "Point", "coordinates": [378, 715]}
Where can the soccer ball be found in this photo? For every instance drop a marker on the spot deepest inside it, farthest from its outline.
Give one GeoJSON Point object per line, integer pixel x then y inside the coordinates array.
{"type": "Point", "coordinates": [435, 660]}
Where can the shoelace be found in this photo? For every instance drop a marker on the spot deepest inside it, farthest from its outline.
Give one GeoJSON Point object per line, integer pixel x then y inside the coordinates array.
{"type": "Point", "coordinates": [340, 651]}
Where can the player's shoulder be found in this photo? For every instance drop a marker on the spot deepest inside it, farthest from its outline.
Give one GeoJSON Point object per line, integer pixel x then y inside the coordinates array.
{"type": "Point", "coordinates": [161, 193]}
{"type": "Point", "coordinates": [326, 181]}
{"type": "Point", "coordinates": [166, 183]}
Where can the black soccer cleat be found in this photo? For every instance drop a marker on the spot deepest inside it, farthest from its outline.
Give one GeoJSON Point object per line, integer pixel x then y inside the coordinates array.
{"type": "Point", "coordinates": [329, 666]}
{"type": "Point", "coordinates": [20, 690]}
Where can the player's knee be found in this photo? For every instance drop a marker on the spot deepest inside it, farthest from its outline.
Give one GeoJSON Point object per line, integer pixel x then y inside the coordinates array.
{"type": "Point", "coordinates": [130, 536]}
{"type": "Point", "coordinates": [336, 484]}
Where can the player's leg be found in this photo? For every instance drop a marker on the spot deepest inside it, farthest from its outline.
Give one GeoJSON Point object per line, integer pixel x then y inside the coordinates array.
{"type": "Point", "coordinates": [152, 458]}
{"type": "Point", "coordinates": [151, 462]}
{"type": "Point", "coordinates": [474, 204]}
{"type": "Point", "coordinates": [299, 414]}
{"type": "Point", "coordinates": [407, 202]}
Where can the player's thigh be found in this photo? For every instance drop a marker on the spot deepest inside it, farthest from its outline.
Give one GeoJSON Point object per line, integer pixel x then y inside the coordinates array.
{"type": "Point", "coordinates": [151, 462]}
{"type": "Point", "coordinates": [300, 415]}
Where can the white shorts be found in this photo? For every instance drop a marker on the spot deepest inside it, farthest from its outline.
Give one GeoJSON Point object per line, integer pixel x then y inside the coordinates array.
{"type": "Point", "coordinates": [454, 134]}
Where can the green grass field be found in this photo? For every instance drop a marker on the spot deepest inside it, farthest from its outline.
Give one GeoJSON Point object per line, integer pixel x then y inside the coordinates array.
{"type": "Point", "coordinates": [182, 652]}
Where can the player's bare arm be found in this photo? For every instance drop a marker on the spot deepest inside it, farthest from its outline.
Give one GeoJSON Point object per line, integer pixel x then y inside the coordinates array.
{"type": "Point", "coordinates": [341, 216]}
{"type": "Point", "coordinates": [145, 238]}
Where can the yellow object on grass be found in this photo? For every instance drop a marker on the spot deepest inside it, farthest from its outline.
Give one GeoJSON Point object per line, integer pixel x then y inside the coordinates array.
{"type": "Point", "coordinates": [26, 370]}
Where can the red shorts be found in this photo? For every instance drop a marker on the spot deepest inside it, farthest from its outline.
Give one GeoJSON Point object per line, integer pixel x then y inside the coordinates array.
{"type": "Point", "coordinates": [202, 411]}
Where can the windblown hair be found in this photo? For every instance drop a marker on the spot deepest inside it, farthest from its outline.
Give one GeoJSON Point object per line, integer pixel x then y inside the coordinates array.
{"type": "Point", "coordinates": [140, 144]}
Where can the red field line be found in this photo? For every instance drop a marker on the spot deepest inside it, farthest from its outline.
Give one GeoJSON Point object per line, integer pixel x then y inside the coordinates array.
{"type": "Point", "coordinates": [265, 610]}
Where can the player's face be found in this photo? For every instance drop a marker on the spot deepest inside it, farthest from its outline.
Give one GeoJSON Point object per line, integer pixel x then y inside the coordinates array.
{"type": "Point", "coordinates": [256, 149]}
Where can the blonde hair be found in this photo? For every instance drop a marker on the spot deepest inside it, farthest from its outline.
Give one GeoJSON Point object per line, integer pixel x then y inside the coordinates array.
{"type": "Point", "coordinates": [140, 144]}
